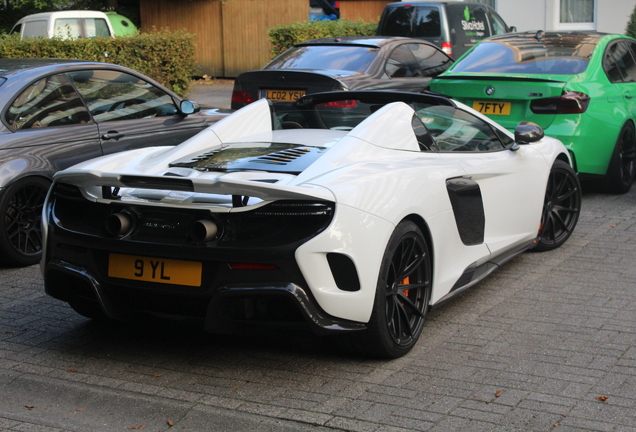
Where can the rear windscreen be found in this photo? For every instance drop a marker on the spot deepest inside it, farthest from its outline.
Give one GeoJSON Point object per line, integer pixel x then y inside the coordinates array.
{"type": "Point", "coordinates": [526, 58]}
{"type": "Point", "coordinates": [422, 21]}
{"type": "Point", "coordinates": [334, 57]}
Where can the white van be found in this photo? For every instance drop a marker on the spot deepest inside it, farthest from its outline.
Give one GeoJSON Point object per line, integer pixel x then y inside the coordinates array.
{"type": "Point", "coordinates": [65, 25]}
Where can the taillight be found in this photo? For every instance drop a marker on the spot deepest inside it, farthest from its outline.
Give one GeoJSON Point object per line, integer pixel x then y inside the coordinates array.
{"type": "Point", "coordinates": [339, 104]}
{"type": "Point", "coordinates": [570, 102]}
{"type": "Point", "coordinates": [242, 97]}
{"type": "Point", "coordinates": [447, 47]}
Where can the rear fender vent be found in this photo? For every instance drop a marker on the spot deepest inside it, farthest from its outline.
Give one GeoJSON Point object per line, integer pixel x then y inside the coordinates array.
{"type": "Point", "coordinates": [283, 157]}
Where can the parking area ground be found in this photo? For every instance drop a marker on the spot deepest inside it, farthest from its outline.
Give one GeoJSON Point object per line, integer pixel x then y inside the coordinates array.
{"type": "Point", "coordinates": [547, 343]}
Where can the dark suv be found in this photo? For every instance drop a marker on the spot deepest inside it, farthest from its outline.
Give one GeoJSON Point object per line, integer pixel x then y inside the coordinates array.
{"type": "Point", "coordinates": [453, 26]}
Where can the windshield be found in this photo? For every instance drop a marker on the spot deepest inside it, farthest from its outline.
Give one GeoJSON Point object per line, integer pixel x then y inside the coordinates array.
{"type": "Point", "coordinates": [342, 57]}
{"type": "Point", "coordinates": [524, 59]}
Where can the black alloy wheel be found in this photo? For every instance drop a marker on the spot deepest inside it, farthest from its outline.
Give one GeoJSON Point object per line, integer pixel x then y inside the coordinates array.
{"type": "Point", "coordinates": [561, 207]}
{"type": "Point", "coordinates": [21, 222]}
{"type": "Point", "coordinates": [622, 167]}
{"type": "Point", "coordinates": [402, 297]}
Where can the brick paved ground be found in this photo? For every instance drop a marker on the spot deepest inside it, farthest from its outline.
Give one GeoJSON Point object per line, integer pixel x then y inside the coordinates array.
{"type": "Point", "coordinates": [530, 349]}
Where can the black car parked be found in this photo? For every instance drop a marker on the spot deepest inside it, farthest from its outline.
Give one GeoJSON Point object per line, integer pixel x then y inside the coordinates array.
{"type": "Point", "coordinates": [343, 63]}
{"type": "Point", "coordinates": [55, 113]}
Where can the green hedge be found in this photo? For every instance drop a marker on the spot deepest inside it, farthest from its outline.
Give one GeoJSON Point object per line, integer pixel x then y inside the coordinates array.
{"type": "Point", "coordinates": [167, 57]}
{"type": "Point", "coordinates": [284, 37]}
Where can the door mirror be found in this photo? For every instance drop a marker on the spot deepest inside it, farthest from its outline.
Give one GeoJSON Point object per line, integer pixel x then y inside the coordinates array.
{"type": "Point", "coordinates": [189, 107]}
{"type": "Point", "coordinates": [527, 132]}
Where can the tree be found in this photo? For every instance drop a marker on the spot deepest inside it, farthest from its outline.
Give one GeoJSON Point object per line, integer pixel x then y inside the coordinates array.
{"type": "Point", "coordinates": [631, 25]}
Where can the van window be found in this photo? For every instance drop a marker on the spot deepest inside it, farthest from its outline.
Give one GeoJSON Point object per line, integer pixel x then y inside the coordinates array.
{"type": "Point", "coordinates": [427, 22]}
{"type": "Point", "coordinates": [67, 28]}
{"type": "Point", "coordinates": [420, 21]}
{"type": "Point", "coordinates": [498, 25]}
{"type": "Point", "coordinates": [35, 29]}
{"type": "Point", "coordinates": [16, 29]}
{"type": "Point", "coordinates": [96, 27]}
{"type": "Point", "coordinates": [397, 21]}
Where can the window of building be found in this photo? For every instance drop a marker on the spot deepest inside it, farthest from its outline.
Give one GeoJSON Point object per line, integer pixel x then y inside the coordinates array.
{"type": "Point", "coordinates": [577, 15]}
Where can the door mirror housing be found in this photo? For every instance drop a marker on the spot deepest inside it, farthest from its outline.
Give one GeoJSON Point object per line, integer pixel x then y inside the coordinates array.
{"type": "Point", "coordinates": [189, 107]}
{"type": "Point", "coordinates": [527, 132]}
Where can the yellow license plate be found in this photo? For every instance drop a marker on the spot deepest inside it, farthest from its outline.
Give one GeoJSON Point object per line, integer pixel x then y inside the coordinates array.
{"type": "Point", "coordinates": [492, 108]}
{"type": "Point", "coordinates": [161, 270]}
{"type": "Point", "coordinates": [284, 95]}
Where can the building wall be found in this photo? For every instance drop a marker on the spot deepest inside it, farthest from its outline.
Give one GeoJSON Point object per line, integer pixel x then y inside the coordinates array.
{"type": "Point", "coordinates": [611, 15]}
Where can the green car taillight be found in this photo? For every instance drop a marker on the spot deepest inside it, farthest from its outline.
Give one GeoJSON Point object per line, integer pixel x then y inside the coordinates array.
{"type": "Point", "coordinates": [570, 102]}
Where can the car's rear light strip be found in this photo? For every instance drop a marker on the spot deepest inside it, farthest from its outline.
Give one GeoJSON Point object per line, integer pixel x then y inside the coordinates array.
{"type": "Point", "coordinates": [570, 102]}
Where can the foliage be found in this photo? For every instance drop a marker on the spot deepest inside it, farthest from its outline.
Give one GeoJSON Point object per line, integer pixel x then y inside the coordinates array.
{"type": "Point", "coordinates": [167, 57]}
{"type": "Point", "coordinates": [284, 37]}
{"type": "Point", "coordinates": [631, 25]}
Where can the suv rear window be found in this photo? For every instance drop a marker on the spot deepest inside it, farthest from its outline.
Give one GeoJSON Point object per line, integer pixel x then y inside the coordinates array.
{"type": "Point", "coordinates": [422, 21]}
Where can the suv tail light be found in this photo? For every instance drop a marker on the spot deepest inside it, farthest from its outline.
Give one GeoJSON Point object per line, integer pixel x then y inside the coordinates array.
{"type": "Point", "coordinates": [242, 97]}
{"type": "Point", "coordinates": [570, 102]}
{"type": "Point", "coordinates": [447, 47]}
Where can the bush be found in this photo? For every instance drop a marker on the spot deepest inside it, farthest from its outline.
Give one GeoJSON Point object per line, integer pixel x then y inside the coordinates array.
{"type": "Point", "coordinates": [167, 57]}
{"type": "Point", "coordinates": [631, 25]}
{"type": "Point", "coordinates": [284, 37]}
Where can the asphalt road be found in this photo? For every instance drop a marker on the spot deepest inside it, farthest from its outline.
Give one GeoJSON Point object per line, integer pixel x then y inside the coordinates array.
{"type": "Point", "coordinates": [547, 343]}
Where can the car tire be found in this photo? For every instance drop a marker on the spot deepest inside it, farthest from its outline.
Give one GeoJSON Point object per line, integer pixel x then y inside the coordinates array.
{"type": "Point", "coordinates": [402, 297]}
{"type": "Point", "coordinates": [21, 222]}
{"type": "Point", "coordinates": [561, 207]}
{"type": "Point", "coordinates": [622, 167]}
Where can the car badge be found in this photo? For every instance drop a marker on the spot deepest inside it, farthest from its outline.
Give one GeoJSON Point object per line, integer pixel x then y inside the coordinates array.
{"type": "Point", "coordinates": [490, 90]}
{"type": "Point", "coordinates": [281, 78]}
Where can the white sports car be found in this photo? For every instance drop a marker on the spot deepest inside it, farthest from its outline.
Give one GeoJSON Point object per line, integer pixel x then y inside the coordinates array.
{"type": "Point", "coordinates": [352, 212]}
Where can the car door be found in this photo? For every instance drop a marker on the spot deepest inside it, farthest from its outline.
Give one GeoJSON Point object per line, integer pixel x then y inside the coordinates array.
{"type": "Point", "coordinates": [411, 66]}
{"type": "Point", "coordinates": [506, 180]}
{"type": "Point", "coordinates": [50, 129]}
{"type": "Point", "coordinates": [131, 112]}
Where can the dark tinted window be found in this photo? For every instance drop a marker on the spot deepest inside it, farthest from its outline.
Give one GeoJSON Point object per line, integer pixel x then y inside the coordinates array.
{"type": "Point", "coordinates": [112, 95]}
{"type": "Point", "coordinates": [16, 29]}
{"type": "Point", "coordinates": [48, 102]}
{"type": "Point", "coordinates": [426, 23]}
{"type": "Point", "coordinates": [524, 57]}
{"type": "Point", "coordinates": [431, 61]}
{"type": "Point", "coordinates": [341, 57]}
{"type": "Point", "coordinates": [623, 66]}
{"type": "Point", "coordinates": [401, 63]}
{"type": "Point", "coordinates": [396, 21]}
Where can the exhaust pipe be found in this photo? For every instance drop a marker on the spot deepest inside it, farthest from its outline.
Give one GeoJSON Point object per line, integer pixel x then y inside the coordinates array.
{"type": "Point", "coordinates": [119, 224]}
{"type": "Point", "coordinates": [203, 230]}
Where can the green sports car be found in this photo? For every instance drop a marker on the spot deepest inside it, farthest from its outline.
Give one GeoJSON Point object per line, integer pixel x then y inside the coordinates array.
{"type": "Point", "coordinates": [579, 87]}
